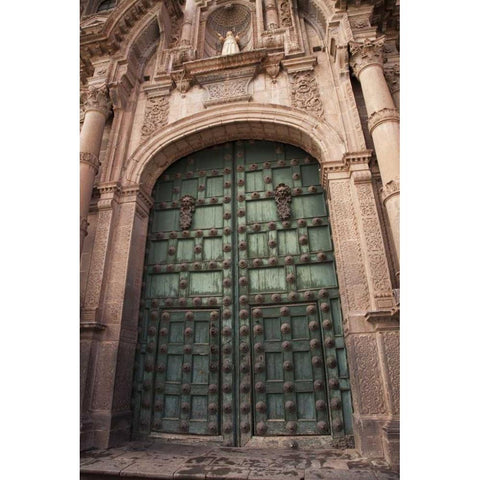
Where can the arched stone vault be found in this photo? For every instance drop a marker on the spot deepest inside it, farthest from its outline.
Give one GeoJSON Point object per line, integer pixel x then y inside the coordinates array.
{"type": "Point", "coordinates": [224, 123]}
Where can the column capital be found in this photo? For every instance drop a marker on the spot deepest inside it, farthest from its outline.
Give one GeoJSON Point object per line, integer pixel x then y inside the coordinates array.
{"type": "Point", "coordinates": [381, 116]}
{"type": "Point", "coordinates": [366, 53]}
{"type": "Point", "coordinates": [97, 98]}
{"type": "Point", "coordinates": [91, 160]}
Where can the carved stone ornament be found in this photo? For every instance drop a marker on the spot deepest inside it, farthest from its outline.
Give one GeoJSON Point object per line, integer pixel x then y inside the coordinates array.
{"type": "Point", "coordinates": [283, 199]}
{"type": "Point", "coordinates": [187, 207]}
{"type": "Point", "coordinates": [96, 98]}
{"type": "Point", "coordinates": [305, 93]}
{"type": "Point", "coordinates": [390, 188]}
{"type": "Point", "coordinates": [272, 65]}
{"type": "Point", "coordinates": [366, 53]}
{"type": "Point", "coordinates": [381, 116]}
{"type": "Point", "coordinates": [229, 91]}
{"type": "Point", "coordinates": [156, 114]}
{"type": "Point", "coordinates": [392, 75]}
{"type": "Point", "coordinates": [182, 81]}
{"type": "Point", "coordinates": [226, 78]}
{"type": "Point", "coordinates": [285, 13]}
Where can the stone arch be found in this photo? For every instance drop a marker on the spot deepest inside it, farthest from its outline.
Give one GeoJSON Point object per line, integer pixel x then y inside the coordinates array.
{"type": "Point", "coordinates": [221, 124]}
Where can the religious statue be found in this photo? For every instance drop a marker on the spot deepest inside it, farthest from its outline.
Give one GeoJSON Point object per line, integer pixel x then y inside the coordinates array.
{"type": "Point", "coordinates": [230, 43]}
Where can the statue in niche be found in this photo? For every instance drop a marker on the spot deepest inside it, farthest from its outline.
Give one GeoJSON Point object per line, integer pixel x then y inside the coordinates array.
{"type": "Point", "coordinates": [230, 43]}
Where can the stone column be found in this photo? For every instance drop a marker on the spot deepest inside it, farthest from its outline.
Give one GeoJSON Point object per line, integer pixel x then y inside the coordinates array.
{"type": "Point", "coordinates": [271, 14]}
{"type": "Point", "coordinates": [383, 123]}
{"type": "Point", "coordinates": [187, 27]}
{"type": "Point", "coordinates": [97, 110]}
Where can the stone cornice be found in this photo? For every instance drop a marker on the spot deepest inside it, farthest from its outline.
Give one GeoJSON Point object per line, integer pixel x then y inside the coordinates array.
{"type": "Point", "coordinates": [381, 116]}
{"type": "Point", "coordinates": [366, 53]}
{"type": "Point", "coordinates": [300, 64]}
{"type": "Point", "coordinates": [97, 98]}
{"type": "Point", "coordinates": [388, 319]}
{"type": "Point", "coordinates": [108, 188]}
{"type": "Point", "coordinates": [215, 64]}
{"type": "Point", "coordinates": [349, 159]}
{"type": "Point", "coordinates": [138, 194]}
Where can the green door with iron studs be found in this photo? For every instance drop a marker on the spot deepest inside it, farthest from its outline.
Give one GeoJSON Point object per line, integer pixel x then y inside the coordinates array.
{"type": "Point", "coordinates": [240, 327]}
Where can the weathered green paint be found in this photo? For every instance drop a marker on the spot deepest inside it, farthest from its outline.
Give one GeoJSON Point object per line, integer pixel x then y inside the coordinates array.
{"type": "Point", "coordinates": [198, 366]}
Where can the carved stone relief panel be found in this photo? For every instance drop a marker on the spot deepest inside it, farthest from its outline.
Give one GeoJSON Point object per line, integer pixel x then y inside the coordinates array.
{"type": "Point", "coordinates": [305, 93]}
{"type": "Point", "coordinates": [285, 13]}
{"type": "Point", "coordinates": [156, 114]}
{"type": "Point", "coordinates": [228, 91]}
{"type": "Point", "coordinates": [99, 253]}
{"type": "Point", "coordinates": [366, 375]}
{"type": "Point", "coordinates": [351, 269]}
{"type": "Point", "coordinates": [374, 246]}
{"type": "Point", "coordinates": [391, 342]}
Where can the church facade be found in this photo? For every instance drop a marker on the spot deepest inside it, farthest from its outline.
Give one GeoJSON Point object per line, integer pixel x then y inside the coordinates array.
{"type": "Point", "coordinates": [239, 222]}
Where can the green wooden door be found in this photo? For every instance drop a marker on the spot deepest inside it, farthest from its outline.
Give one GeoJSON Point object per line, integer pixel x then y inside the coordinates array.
{"type": "Point", "coordinates": [240, 329]}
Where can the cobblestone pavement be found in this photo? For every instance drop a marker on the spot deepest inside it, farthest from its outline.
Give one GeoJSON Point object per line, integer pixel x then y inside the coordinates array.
{"type": "Point", "coordinates": [160, 460]}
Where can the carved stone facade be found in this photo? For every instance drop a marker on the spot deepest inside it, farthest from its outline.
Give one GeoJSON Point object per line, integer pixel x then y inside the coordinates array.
{"type": "Point", "coordinates": [174, 94]}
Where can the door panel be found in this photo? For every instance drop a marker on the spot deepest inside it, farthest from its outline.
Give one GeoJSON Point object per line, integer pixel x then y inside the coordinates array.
{"type": "Point", "coordinates": [240, 329]}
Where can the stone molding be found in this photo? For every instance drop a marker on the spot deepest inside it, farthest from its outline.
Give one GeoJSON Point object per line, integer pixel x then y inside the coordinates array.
{"type": "Point", "coordinates": [216, 125]}
{"type": "Point", "coordinates": [97, 99]}
{"type": "Point", "coordinates": [91, 160]}
{"type": "Point", "coordinates": [381, 116]}
{"type": "Point", "coordinates": [390, 189]}
{"type": "Point", "coordinates": [366, 53]}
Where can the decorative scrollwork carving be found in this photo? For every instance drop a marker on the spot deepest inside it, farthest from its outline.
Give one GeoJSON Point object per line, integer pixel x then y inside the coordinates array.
{"type": "Point", "coordinates": [156, 114]}
{"type": "Point", "coordinates": [283, 199]}
{"type": "Point", "coordinates": [285, 14]}
{"type": "Point", "coordinates": [305, 93]}
{"type": "Point", "coordinates": [187, 207]}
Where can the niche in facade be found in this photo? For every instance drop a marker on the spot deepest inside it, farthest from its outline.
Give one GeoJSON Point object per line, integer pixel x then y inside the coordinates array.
{"type": "Point", "coordinates": [232, 17]}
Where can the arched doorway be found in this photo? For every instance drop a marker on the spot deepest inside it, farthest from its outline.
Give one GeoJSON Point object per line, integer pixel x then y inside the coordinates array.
{"type": "Point", "coordinates": [240, 331]}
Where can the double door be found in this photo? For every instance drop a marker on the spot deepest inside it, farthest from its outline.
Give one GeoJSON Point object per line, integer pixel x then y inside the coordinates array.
{"type": "Point", "coordinates": [240, 329]}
